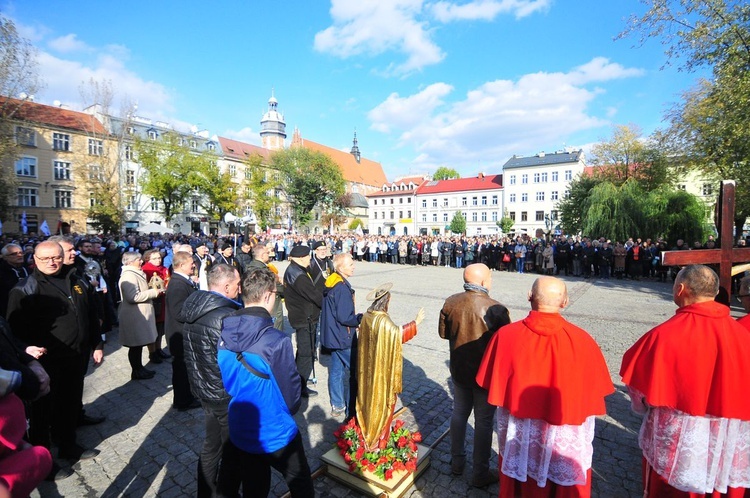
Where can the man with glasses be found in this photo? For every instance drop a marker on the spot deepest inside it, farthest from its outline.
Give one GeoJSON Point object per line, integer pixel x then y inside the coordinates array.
{"type": "Point", "coordinates": [13, 269]}
{"type": "Point", "coordinates": [51, 309]}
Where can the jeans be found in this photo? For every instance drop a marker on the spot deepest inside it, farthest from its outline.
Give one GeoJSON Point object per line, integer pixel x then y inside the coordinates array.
{"type": "Point", "coordinates": [338, 382]}
{"type": "Point", "coordinates": [459, 261]}
{"type": "Point", "coordinates": [519, 264]}
{"type": "Point", "coordinates": [466, 399]}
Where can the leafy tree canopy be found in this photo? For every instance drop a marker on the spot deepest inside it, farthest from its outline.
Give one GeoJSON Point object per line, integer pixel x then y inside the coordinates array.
{"type": "Point", "coordinates": [262, 186]}
{"type": "Point", "coordinates": [445, 173]}
{"type": "Point", "coordinates": [458, 223]}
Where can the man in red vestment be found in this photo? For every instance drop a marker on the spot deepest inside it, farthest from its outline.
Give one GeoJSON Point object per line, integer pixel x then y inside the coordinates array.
{"type": "Point", "coordinates": [690, 377]}
{"type": "Point", "coordinates": [549, 379]}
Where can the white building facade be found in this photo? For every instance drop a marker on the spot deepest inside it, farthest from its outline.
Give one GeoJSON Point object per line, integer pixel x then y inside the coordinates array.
{"type": "Point", "coordinates": [393, 209]}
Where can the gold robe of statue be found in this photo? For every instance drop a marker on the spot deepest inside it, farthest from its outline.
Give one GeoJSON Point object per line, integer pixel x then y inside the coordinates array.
{"type": "Point", "coordinates": [379, 373]}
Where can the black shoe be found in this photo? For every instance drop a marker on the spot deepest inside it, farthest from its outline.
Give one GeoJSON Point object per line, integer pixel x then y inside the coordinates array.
{"type": "Point", "coordinates": [191, 406]}
{"type": "Point", "coordinates": [89, 420]}
{"type": "Point", "coordinates": [155, 358]}
{"type": "Point", "coordinates": [163, 354]}
{"type": "Point", "coordinates": [142, 374]}
{"type": "Point", "coordinates": [58, 473]}
{"type": "Point", "coordinates": [309, 393]}
{"type": "Point", "coordinates": [77, 452]}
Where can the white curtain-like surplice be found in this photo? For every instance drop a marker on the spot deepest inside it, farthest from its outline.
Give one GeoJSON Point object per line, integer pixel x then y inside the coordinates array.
{"type": "Point", "coordinates": [532, 448]}
{"type": "Point", "coordinates": [696, 454]}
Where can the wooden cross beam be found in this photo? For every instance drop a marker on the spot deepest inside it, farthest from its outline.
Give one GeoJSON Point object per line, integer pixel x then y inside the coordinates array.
{"type": "Point", "coordinates": [726, 255]}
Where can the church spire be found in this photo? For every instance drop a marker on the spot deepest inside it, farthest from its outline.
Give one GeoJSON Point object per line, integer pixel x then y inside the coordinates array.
{"type": "Point", "coordinates": [355, 148]}
{"type": "Point", "coordinates": [273, 126]}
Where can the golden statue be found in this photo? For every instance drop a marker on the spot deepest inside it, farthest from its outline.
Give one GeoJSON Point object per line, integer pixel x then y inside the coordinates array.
{"type": "Point", "coordinates": [379, 366]}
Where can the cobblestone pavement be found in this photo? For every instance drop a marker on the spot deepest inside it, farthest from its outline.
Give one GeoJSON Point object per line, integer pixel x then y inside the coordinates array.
{"type": "Point", "coordinates": [149, 449]}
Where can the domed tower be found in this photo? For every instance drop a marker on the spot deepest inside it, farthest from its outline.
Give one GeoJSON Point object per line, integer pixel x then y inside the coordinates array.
{"type": "Point", "coordinates": [272, 126]}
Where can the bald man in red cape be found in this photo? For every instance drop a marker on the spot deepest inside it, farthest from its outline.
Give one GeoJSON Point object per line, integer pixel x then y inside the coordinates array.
{"type": "Point", "coordinates": [690, 376]}
{"type": "Point", "coordinates": [549, 379]}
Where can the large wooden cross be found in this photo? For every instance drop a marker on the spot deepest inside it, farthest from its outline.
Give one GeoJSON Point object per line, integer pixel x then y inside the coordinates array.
{"type": "Point", "coordinates": [726, 255]}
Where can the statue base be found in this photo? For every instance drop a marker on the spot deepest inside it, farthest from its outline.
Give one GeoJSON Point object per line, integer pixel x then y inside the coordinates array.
{"type": "Point", "coordinates": [368, 483]}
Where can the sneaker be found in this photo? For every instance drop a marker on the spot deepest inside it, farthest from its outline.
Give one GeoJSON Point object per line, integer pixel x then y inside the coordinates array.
{"type": "Point", "coordinates": [491, 478]}
{"type": "Point", "coordinates": [309, 393]}
{"type": "Point", "coordinates": [337, 412]}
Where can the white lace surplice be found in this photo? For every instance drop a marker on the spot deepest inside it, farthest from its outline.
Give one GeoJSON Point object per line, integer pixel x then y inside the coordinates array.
{"type": "Point", "coordinates": [697, 454]}
{"type": "Point", "coordinates": [533, 448]}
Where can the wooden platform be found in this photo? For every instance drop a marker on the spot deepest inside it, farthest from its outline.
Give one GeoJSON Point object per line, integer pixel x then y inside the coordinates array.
{"type": "Point", "coordinates": [370, 484]}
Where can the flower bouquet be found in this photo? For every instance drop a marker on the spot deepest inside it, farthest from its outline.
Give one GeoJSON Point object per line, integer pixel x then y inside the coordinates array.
{"type": "Point", "coordinates": [396, 453]}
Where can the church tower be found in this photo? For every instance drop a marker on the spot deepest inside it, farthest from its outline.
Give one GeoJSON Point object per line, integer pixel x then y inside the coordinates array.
{"type": "Point", "coordinates": [272, 126]}
{"type": "Point", "coordinates": [355, 148]}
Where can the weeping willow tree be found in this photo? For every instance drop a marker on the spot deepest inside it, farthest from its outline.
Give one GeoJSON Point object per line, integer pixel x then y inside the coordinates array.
{"type": "Point", "coordinates": [620, 212]}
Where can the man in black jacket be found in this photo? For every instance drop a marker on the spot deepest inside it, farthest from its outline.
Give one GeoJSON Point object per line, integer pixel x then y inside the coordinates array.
{"type": "Point", "coordinates": [203, 313]}
{"type": "Point", "coordinates": [51, 309]}
{"type": "Point", "coordinates": [181, 285]}
{"type": "Point", "coordinates": [12, 270]}
{"type": "Point", "coordinates": [303, 303]}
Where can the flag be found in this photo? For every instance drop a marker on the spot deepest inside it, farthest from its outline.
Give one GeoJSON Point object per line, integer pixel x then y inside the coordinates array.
{"type": "Point", "coordinates": [24, 226]}
{"type": "Point", "coordinates": [45, 228]}
{"type": "Point", "coordinates": [359, 230]}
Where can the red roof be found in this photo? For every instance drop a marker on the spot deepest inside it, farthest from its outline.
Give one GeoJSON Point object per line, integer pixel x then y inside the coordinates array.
{"type": "Point", "coordinates": [240, 150]}
{"type": "Point", "coordinates": [481, 182]}
{"type": "Point", "coordinates": [42, 114]}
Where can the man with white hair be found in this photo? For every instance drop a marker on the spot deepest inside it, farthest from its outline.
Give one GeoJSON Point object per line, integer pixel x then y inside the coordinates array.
{"type": "Point", "coordinates": [13, 269]}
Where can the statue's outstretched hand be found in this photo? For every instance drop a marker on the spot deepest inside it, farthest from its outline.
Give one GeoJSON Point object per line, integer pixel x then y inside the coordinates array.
{"type": "Point", "coordinates": [420, 316]}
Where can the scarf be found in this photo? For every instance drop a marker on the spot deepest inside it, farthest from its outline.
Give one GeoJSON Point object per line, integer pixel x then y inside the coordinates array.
{"type": "Point", "coordinates": [475, 287]}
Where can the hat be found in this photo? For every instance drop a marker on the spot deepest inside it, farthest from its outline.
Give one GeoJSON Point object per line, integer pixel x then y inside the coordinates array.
{"type": "Point", "coordinates": [318, 243]}
{"type": "Point", "coordinates": [299, 251]}
{"type": "Point", "coordinates": [379, 291]}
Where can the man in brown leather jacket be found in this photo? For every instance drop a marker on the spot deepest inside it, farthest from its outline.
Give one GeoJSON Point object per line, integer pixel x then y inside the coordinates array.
{"type": "Point", "coordinates": [468, 320]}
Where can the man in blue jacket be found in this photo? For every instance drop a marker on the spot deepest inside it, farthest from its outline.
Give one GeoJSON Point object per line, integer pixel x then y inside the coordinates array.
{"type": "Point", "coordinates": [259, 373]}
{"type": "Point", "coordinates": [338, 327]}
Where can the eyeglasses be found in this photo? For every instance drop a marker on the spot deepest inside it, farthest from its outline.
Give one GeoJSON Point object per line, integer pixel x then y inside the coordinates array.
{"type": "Point", "coordinates": [55, 259]}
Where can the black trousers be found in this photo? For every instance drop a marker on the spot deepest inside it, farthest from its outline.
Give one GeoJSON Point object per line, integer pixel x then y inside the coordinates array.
{"type": "Point", "coordinates": [217, 437]}
{"type": "Point", "coordinates": [57, 413]}
{"type": "Point", "coordinates": [304, 356]}
{"type": "Point", "coordinates": [290, 461]}
{"type": "Point", "coordinates": [180, 383]}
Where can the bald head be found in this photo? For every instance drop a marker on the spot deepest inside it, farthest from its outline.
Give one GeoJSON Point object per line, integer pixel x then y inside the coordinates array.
{"type": "Point", "coordinates": [478, 274]}
{"type": "Point", "coordinates": [548, 295]}
{"type": "Point", "coordinates": [695, 284]}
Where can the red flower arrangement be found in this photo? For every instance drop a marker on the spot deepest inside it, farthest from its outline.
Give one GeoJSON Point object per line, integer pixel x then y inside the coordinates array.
{"type": "Point", "coordinates": [396, 453]}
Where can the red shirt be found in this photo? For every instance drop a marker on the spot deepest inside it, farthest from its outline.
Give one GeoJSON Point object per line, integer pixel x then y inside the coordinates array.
{"type": "Point", "coordinates": [544, 367]}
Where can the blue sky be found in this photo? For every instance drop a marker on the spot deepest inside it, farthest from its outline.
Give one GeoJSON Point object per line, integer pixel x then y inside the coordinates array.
{"type": "Point", "coordinates": [465, 84]}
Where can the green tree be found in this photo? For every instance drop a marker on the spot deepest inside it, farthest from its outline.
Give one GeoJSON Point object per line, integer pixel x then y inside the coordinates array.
{"type": "Point", "coordinates": [506, 223]}
{"type": "Point", "coordinates": [171, 171]}
{"type": "Point", "coordinates": [458, 223]}
{"type": "Point", "coordinates": [261, 191]}
{"type": "Point", "coordinates": [310, 178]}
{"type": "Point", "coordinates": [18, 77]}
{"type": "Point", "coordinates": [445, 173]}
{"type": "Point", "coordinates": [571, 207]}
{"type": "Point", "coordinates": [355, 223]}
{"type": "Point", "coordinates": [219, 194]}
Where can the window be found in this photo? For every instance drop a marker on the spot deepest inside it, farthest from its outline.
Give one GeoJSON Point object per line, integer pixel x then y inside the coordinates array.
{"type": "Point", "coordinates": [524, 216]}
{"type": "Point", "coordinates": [400, 200]}
{"type": "Point", "coordinates": [512, 179]}
{"type": "Point", "coordinates": [553, 215]}
{"type": "Point", "coordinates": [375, 215]}
{"type": "Point", "coordinates": [408, 200]}
{"type": "Point", "coordinates": [464, 201]}
{"type": "Point", "coordinates": [400, 215]}
{"type": "Point", "coordinates": [494, 215]}
{"type": "Point", "coordinates": [474, 201]}
{"type": "Point", "coordinates": [544, 177]}
{"type": "Point", "coordinates": [61, 141]}
{"type": "Point", "coordinates": [512, 198]}
{"type": "Point", "coordinates": [424, 203]}
{"type": "Point", "coordinates": [408, 214]}
{"type": "Point", "coordinates": [484, 215]}
{"type": "Point", "coordinates": [554, 176]}
{"type": "Point", "coordinates": [512, 215]}
{"type": "Point", "coordinates": [553, 195]}
{"type": "Point", "coordinates": [445, 217]}
{"type": "Point", "coordinates": [537, 177]}
{"type": "Point", "coordinates": [154, 204]}
{"type": "Point", "coordinates": [62, 170]}
{"type": "Point", "coordinates": [484, 200]}
{"type": "Point", "coordinates": [232, 170]}
{"type": "Point", "coordinates": [129, 177]}
{"type": "Point", "coordinates": [211, 146]}
{"type": "Point", "coordinates": [382, 214]}
{"type": "Point", "coordinates": [131, 203]}
{"type": "Point", "coordinates": [567, 193]}
{"type": "Point", "coordinates": [93, 201]}
{"type": "Point", "coordinates": [494, 200]}
{"type": "Point", "coordinates": [27, 197]}
{"type": "Point", "coordinates": [434, 216]}
{"type": "Point", "coordinates": [25, 136]}
{"type": "Point", "coordinates": [63, 199]}
{"type": "Point", "coordinates": [424, 217]}
{"type": "Point", "coordinates": [152, 135]}
{"type": "Point", "coordinates": [524, 197]}
{"type": "Point", "coordinates": [95, 173]}
{"type": "Point", "coordinates": [682, 186]}
{"type": "Point", "coordinates": [540, 216]}
{"type": "Point", "coordinates": [130, 130]}
{"type": "Point", "coordinates": [26, 166]}
{"type": "Point", "coordinates": [524, 178]}
{"type": "Point", "coordinates": [474, 216]}
{"type": "Point", "coordinates": [194, 206]}
{"type": "Point", "coordinates": [391, 201]}
{"type": "Point", "coordinates": [434, 203]}
{"type": "Point", "coordinates": [96, 147]}
{"type": "Point", "coordinates": [129, 153]}
{"type": "Point", "coordinates": [392, 214]}
{"type": "Point", "coordinates": [568, 175]}
{"type": "Point", "coordinates": [193, 144]}
{"type": "Point", "coordinates": [540, 196]}
{"type": "Point", "coordinates": [708, 189]}
{"type": "Point", "coordinates": [248, 174]}
{"type": "Point", "coordinates": [445, 202]}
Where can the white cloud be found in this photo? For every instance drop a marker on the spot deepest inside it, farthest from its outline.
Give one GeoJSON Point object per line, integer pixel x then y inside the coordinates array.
{"type": "Point", "coordinates": [486, 10]}
{"type": "Point", "coordinates": [373, 27]}
{"type": "Point", "coordinates": [246, 135]}
{"type": "Point", "coordinates": [496, 120]}
{"type": "Point", "coordinates": [68, 43]}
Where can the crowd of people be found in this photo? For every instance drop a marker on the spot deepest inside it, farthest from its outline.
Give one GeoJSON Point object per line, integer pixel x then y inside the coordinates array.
{"type": "Point", "coordinates": [217, 303]}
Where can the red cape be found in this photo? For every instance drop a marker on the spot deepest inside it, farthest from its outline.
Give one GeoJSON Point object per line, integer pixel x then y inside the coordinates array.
{"type": "Point", "coordinates": [545, 368]}
{"type": "Point", "coordinates": [745, 321]}
{"type": "Point", "coordinates": [697, 362]}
